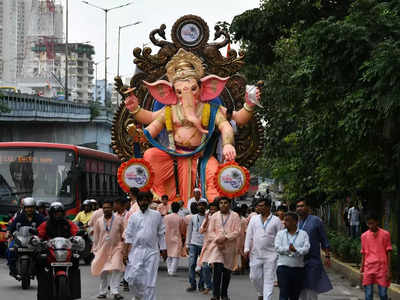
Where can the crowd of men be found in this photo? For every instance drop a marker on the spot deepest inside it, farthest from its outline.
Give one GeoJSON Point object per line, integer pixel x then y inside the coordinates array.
{"type": "Point", "coordinates": [130, 236]}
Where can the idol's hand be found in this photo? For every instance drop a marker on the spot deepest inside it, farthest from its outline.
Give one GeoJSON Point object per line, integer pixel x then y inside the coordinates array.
{"type": "Point", "coordinates": [131, 103]}
{"type": "Point", "coordinates": [258, 94]}
{"type": "Point", "coordinates": [229, 152]}
{"type": "Point", "coordinates": [258, 98]}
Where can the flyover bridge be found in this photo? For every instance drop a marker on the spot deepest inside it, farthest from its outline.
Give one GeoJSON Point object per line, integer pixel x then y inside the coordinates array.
{"type": "Point", "coordinates": [40, 119]}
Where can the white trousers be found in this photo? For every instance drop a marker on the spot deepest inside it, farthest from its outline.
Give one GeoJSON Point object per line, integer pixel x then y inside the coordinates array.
{"type": "Point", "coordinates": [149, 293]}
{"type": "Point", "coordinates": [263, 276]}
{"type": "Point", "coordinates": [112, 279]}
{"type": "Point", "coordinates": [308, 294]}
{"type": "Point", "coordinates": [172, 265]}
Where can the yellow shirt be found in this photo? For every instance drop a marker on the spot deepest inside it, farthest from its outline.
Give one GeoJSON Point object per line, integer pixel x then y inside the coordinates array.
{"type": "Point", "coordinates": [83, 217]}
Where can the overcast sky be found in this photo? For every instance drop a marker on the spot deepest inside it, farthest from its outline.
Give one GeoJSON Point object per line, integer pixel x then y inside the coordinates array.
{"type": "Point", "coordinates": [87, 24]}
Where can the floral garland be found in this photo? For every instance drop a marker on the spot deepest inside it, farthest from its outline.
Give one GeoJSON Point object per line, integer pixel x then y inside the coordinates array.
{"type": "Point", "coordinates": [238, 192]}
{"type": "Point", "coordinates": [135, 161]}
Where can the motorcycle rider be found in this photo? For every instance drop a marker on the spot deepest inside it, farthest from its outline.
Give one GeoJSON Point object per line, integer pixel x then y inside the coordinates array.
{"type": "Point", "coordinates": [28, 217]}
{"type": "Point", "coordinates": [56, 226]}
{"type": "Point", "coordinates": [84, 216]}
{"type": "Point", "coordinates": [42, 209]}
{"type": "Point", "coordinates": [94, 204]}
{"type": "Point", "coordinates": [82, 220]}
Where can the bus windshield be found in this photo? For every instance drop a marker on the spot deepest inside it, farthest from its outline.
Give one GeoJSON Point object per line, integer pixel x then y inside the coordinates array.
{"type": "Point", "coordinates": [34, 172]}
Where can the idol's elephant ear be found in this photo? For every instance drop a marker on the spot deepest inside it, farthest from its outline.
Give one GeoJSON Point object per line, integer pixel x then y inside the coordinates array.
{"type": "Point", "coordinates": [211, 87]}
{"type": "Point", "coordinates": [162, 91]}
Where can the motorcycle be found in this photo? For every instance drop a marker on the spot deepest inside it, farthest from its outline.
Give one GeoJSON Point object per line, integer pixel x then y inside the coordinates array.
{"type": "Point", "coordinates": [61, 272]}
{"type": "Point", "coordinates": [87, 234]}
{"type": "Point", "coordinates": [25, 248]}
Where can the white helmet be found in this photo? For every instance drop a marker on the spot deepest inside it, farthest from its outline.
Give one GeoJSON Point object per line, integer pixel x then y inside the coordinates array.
{"type": "Point", "coordinates": [28, 201]}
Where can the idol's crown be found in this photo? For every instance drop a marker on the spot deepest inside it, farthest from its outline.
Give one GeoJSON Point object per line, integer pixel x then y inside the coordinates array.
{"type": "Point", "coordinates": [184, 65]}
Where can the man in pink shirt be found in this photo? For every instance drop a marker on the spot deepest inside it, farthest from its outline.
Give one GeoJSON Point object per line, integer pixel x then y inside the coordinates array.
{"type": "Point", "coordinates": [376, 248]}
{"type": "Point", "coordinates": [224, 229]}
{"type": "Point", "coordinates": [107, 248]}
{"type": "Point", "coordinates": [175, 231]}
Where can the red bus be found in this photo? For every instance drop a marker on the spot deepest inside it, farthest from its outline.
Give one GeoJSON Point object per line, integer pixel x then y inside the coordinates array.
{"type": "Point", "coordinates": [55, 172]}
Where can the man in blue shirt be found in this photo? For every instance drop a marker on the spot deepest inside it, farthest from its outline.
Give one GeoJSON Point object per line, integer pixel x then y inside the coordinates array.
{"type": "Point", "coordinates": [316, 280]}
{"type": "Point", "coordinates": [28, 217]}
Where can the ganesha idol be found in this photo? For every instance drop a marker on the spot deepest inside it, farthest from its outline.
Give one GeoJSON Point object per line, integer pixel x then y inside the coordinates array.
{"type": "Point", "coordinates": [190, 116]}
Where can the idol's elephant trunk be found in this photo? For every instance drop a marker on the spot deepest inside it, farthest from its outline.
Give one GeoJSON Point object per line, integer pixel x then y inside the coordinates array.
{"type": "Point", "coordinates": [188, 105]}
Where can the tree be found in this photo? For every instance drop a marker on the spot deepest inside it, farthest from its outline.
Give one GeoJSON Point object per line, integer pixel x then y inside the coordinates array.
{"type": "Point", "coordinates": [3, 108]}
{"type": "Point", "coordinates": [331, 98]}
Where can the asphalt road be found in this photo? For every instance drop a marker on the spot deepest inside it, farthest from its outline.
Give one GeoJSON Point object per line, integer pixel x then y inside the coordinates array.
{"type": "Point", "coordinates": [170, 288]}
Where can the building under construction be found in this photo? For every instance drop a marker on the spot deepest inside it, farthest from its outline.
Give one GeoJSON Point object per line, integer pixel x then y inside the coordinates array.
{"type": "Point", "coordinates": [32, 51]}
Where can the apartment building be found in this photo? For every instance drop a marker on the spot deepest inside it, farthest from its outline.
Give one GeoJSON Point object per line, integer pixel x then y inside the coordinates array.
{"type": "Point", "coordinates": [32, 51]}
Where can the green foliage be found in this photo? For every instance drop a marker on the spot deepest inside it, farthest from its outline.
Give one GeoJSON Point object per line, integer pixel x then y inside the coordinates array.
{"type": "Point", "coordinates": [94, 110]}
{"type": "Point", "coordinates": [3, 108]}
{"type": "Point", "coordinates": [331, 100]}
{"type": "Point", "coordinates": [344, 247]}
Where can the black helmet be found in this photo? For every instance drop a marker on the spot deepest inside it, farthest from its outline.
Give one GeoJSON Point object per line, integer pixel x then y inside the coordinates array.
{"type": "Point", "coordinates": [86, 202]}
{"type": "Point", "coordinates": [56, 207]}
{"type": "Point", "coordinates": [42, 203]}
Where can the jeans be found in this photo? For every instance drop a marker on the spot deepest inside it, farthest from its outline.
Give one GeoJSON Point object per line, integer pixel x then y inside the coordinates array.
{"type": "Point", "coordinates": [290, 282]}
{"type": "Point", "coordinates": [206, 270]}
{"type": "Point", "coordinates": [12, 258]}
{"type": "Point", "coordinates": [194, 253]}
{"type": "Point", "coordinates": [354, 231]}
{"type": "Point", "coordinates": [222, 277]}
{"type": "Point", "coordinates": [369, 292]}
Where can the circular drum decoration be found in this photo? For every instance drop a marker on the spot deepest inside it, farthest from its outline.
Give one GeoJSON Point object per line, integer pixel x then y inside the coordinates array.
{"type": "Point", "coordinates": [190, 32]}
{"type": "Point", "coordinates": [232, 180]}
{"type": "Point", "coordinates": [137, 173]}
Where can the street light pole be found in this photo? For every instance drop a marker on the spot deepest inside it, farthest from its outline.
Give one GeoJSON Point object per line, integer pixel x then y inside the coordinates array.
{"type": "Point", "coordinates": [96, 63]}
{"type": "Point", "coordinates": [119, 40]}
{"type": "Point", "coordinates": [95, 97]}
{"type": "Point", "coordinates": [66, 53]}
{"type": "Point", "coordinates": [105, 58]}
{"type": "Point", "coordinates": [106, 10]}
{"type": "Point", "coordinates": [119, 48]}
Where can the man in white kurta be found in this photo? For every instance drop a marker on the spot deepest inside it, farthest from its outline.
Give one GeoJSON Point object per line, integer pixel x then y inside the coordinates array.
{"type": "Point", "coordinates": [260, 237]}
{"type": "Point", "coordinates": [145, 236]}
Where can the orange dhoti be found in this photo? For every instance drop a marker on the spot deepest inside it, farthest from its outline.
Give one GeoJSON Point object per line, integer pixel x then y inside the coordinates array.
{"type": "Point", "coordinates": [164, 179]}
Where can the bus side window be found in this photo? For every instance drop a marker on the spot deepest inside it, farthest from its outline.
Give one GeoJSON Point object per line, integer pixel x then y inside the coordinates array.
{"type": "Point", "coordinates": [104, 185]}
{"type": "Point", "coordinates": [114, 185]}
{"type": "Point", "coordinates": [101, 182]}
{"type": "Point", "coordinates": [92, 184]}
{"type": "Point", "coordinates": [84, 185]}
{"type": "Point", "coordinates": [97, 184]}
